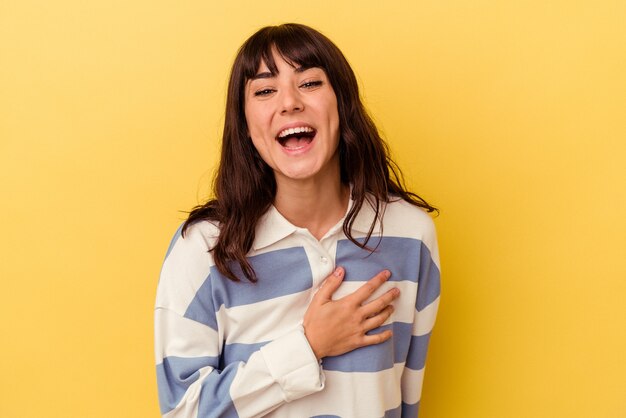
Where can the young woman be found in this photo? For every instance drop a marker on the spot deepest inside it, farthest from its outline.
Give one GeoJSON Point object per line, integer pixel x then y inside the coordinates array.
{"type": "Point", "coordinates": [310, 284]}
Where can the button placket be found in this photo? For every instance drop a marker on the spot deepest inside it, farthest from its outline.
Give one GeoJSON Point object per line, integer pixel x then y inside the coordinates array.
{"type": "Point", "coordinates": [321, 262]}
{"type": "Point", "coordinates": [324, 264]}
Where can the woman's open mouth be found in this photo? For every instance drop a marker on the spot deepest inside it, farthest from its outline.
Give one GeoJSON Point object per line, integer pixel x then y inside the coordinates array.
{"type": "Point", "coordinates": [294, 139]}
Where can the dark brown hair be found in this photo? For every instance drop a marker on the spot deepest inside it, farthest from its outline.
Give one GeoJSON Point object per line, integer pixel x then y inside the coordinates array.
{"type": "Point", "coordinates": [244, 185]}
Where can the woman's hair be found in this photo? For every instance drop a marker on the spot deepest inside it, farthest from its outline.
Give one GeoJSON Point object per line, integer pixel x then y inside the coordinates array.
{"type": "Point", "coordinates": [244, 185]}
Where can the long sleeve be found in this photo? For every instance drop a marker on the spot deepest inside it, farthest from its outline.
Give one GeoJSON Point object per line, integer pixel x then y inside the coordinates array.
{"type": "Point", "coordinates": [426, 307]}
{"type": "Point", "coordinates": [195, 377]}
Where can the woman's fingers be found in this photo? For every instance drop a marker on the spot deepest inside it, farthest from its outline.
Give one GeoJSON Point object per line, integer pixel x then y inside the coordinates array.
{"type": "Point", "coordinates": [329, 286]}
{"type": "Point", "coordinates": [378, 319]}
{"type": "Point", "coordinates": [380, 303]}
{"type": "Point", "coordinates": [376, 338]}
{"type": "Point", "coordinates": [368, 289]}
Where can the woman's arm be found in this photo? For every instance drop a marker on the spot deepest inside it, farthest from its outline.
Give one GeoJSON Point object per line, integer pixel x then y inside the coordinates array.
{"type": "Point", "coordinates": [426, 307]}
{"type": "Point", "coordinates": [193, 383]}
{"type": "Point", "coordinates": [192, 378]}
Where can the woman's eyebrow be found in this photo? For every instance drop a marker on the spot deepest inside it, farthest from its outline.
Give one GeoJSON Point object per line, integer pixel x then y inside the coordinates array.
{"type": "Point", "coordinates": [267, 74]}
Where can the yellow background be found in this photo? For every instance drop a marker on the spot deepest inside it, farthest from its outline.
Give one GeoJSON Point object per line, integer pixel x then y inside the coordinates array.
{"type": "Point", "coordinates": [509, 116]}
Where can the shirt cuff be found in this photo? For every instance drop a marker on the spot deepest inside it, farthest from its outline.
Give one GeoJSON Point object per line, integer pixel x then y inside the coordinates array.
{"type": "Point", "coordinates": [292, 364]}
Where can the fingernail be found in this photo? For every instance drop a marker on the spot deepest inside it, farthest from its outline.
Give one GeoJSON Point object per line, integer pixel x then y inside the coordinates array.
{"type": "Point", "coordinates": [387, 274]}
{"type": "Point", "coordinates": [338, 271]}
{"type": "Point", "coordinates": [396, 291]}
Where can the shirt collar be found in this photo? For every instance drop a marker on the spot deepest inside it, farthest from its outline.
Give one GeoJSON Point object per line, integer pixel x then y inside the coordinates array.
{"type": "Point", "coordinates": [273, 227]}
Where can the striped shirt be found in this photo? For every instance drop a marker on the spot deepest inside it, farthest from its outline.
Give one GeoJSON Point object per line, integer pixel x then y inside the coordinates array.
{"type": "Point", "coordinates": [226, 349]}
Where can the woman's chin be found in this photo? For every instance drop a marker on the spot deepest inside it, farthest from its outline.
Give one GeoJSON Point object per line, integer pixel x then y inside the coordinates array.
{"type": "Point", "coordinates": [294, 175]}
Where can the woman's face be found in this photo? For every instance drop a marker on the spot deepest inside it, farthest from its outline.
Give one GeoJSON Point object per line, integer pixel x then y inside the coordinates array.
{"type": "Point", "coordinates": [293, 121]}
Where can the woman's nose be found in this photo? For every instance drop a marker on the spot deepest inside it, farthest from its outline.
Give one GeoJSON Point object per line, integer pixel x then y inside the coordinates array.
{"type": "Point", "coordinates": [291, 101]}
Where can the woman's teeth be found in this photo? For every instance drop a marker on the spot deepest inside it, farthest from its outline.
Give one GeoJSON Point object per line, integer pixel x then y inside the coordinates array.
{"type": "Point", "coordinates": [292, 131]}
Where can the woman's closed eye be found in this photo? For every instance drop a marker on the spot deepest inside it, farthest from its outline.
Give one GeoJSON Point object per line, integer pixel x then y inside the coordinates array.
{"type": "Point", "coordinates": [312, 84]}
{"type": "Point", "coordinates": [264, 92]}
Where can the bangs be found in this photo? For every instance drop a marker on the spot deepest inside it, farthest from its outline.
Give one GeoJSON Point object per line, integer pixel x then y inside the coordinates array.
{"type": "Point", "coordinates": [297, 47]}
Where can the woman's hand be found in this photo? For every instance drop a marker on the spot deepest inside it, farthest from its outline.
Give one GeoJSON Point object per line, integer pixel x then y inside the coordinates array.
{"type": "Point", "coordinates": [334, 327]}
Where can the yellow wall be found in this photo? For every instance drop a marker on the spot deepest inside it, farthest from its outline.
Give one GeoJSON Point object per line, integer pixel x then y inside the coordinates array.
{"type": "Point", "coordinates": [510, 116]}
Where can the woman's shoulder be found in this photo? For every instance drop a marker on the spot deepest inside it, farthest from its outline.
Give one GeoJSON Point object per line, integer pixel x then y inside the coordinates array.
{"type": "Point", "coordinates": [406, 219]}
{"type": "Point", "coordinates": [197, 237]}
{"type": "Point", "coordinates": [187, 264]}
{"type": "Point", "coordinates": [202, 232]}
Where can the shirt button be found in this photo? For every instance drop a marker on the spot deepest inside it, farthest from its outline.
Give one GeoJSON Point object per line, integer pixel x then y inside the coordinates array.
{"type": "Point", "coordinates": [324, 260]}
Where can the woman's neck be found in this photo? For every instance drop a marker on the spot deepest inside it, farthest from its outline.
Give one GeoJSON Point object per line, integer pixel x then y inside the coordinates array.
{"type": "Point", "coordinates": [312, 204]}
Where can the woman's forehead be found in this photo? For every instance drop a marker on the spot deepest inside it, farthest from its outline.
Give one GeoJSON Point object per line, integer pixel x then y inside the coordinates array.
{"type": "Point", "coordinates": [264, 69]}
{"type": "Point", "coordinates": [268, 62]}
{"type": "Point", "coordinates": [295, 56]}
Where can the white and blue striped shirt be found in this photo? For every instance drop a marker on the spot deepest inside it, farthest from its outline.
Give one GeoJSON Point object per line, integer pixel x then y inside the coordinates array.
{"type": "Point", "coordinates": [226, 349]}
